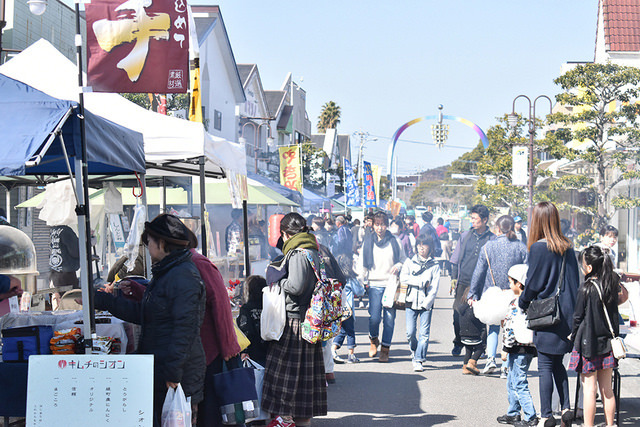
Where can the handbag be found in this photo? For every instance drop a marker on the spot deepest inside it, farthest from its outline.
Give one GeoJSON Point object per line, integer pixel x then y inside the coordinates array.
{"type": "Point", "coordinates": [618, 347]}
{"type": "Point", "coordinates": [544, 313]}
{"type": "Point", "coordinates": [176, 410]}
{"type": "Point", "coordinates": [258, 371]}
{"type": "Point", "coordinates": [400, 298]}
{"type": "Point", "coordinates": [274, 313]}
{"type": "Point", "coordinates": [236, 392]}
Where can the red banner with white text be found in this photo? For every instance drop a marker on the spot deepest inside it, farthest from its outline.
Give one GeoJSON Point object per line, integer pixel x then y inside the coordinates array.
{"type": "Point", "coordinates": [138, 46]}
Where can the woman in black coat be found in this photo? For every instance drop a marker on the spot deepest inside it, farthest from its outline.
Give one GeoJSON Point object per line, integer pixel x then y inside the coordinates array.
{"type": "Point", "coordinates": [548, 250]}
{"type": "Point", "coordinates": [170, 313]}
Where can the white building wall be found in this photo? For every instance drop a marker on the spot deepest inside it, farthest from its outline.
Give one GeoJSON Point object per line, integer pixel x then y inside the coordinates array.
{"type": "Point", "coordinates": [217, 91]}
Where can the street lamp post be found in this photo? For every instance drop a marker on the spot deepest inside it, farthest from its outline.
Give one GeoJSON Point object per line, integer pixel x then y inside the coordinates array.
{"type": "Point", "coordinates": [512, 120]}
{"type": "Point", "coordinates": [364, 137]}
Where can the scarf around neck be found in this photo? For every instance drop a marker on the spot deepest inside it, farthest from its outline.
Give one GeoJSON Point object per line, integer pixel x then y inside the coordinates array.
{"type": "Point", "coordinates": [370, 240]}
{"type": "Point", "coordinates": [300, 241]}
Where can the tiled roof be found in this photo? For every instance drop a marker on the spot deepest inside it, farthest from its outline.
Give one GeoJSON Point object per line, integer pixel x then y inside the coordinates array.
{"type": "Point", "coordinates": [621, 25]}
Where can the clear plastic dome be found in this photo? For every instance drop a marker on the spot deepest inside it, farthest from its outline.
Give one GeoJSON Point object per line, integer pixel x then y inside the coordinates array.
{"type": "Point", "coordinates": [17, 253]}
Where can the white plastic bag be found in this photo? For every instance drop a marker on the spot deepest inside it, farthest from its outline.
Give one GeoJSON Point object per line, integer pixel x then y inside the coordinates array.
{"type": "Point", "coordinates": [176, 411]}
{"type": "Point", "coordinates": [389, 295]}
{"type": "Point", "coordinates": [274, 314]}
{"type": "Point", "coordinates": [132, 246]}
{"type": "Point", "coordinates": [492, 307]}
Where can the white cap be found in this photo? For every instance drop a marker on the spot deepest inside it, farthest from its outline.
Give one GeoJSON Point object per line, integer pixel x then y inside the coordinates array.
{"type": "Point", "coordinates": [519, 273]}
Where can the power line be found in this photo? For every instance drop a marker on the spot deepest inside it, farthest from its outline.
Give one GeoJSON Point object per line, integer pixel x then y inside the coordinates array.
{"type": "Point", "coordinates": [423, 142]}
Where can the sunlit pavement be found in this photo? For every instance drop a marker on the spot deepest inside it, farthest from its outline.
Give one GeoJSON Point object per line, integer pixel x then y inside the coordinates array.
{"type": "Point", "coordinates": [391, 394]}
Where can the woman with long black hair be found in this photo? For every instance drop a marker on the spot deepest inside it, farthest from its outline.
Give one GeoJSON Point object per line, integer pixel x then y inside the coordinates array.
{"type": "Point", "coordinates": [594, 325]}
{"type": "Point", "coordinates": [550, 253]}
{"type": "Point", "coordinates": [295, 386]}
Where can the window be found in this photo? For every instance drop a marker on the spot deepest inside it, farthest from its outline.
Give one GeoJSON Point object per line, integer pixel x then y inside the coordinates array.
{"type": "Point", "coordinates": [217, 120]}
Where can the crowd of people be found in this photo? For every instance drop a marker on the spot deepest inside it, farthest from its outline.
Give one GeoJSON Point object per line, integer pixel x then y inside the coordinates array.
{"type": "Point", "coordinates": [372, 258]}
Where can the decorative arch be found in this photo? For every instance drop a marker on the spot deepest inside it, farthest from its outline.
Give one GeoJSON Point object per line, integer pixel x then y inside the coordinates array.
{"type": "Point", "coordinates": [401, 129]}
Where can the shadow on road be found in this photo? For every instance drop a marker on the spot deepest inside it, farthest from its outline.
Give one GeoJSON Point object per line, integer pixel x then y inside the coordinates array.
{"type": "Point", "coordinates": [382, 398]}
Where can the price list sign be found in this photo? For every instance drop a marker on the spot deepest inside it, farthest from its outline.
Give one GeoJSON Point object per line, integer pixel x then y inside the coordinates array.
{"type": "Point", "coordinates": [80, 390]}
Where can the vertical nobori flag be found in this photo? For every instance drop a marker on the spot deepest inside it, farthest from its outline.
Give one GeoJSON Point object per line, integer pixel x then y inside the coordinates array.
{"type": "Point", "coordinates": [138, 46]}
{"type": "Point", "coordinates": [290, 167]}
{"type": "Point", "coordinates": [369, 188]}
{"type": "Point", "coordinates": [351, 194]}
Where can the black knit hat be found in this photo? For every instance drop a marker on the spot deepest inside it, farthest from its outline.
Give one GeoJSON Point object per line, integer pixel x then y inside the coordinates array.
{"type": "Point", "coordinates": [171, 229]}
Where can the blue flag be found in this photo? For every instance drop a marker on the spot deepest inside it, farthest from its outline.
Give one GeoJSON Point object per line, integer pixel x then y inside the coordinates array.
{"type": "Point", "coordinates": [352, 193]}
{"type": "Point", "coordinates": [369, 190]}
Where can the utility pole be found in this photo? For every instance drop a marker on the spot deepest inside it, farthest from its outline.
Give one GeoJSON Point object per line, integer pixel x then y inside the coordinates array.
{"type": "Point", "coordinates": [364, 137]}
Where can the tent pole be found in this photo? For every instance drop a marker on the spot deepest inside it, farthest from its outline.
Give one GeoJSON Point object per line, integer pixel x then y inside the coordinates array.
{"type": "Point", "coordinates": [147, 257]}
{"type": "Point", "coordinates": [86, 274]}
{"type": "Point", "coordinates": [164, 194]}
{"type": "Point", "coordinates": [245, 213]}
{"type": "Point", "coordinates": [88, 315]}
{"type": "Point", "coordinates": [203, 202]}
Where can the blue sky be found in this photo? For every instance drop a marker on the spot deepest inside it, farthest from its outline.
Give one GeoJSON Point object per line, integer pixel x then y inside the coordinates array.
{"type": "Point", "coordinates": [386, 63]}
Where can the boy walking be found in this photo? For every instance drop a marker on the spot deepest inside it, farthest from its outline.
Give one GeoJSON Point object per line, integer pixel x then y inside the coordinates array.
{"type": "Point", "coordinates": [518, 352]}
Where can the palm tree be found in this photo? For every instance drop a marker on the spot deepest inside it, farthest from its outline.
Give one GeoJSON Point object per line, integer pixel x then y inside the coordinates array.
{"type": "Point", "coordinates": [329, 117]}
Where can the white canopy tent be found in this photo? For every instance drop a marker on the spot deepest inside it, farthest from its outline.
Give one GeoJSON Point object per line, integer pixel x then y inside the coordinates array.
{"type": "Point", "coordinates": [171, 145]}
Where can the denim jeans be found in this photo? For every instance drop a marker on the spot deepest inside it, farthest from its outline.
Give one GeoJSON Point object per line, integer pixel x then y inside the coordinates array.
{"type": "Point", "coordinates": [492, 340]}
{"type": "Point", "coordinates": [518, 386]}
{"type": "Point", "coordinates": [419, 344]}
{"type": "Point", "coordinates": [551, 370]}
{"type": "Point", "coordinates": [376, 312]}
{"type": "Point", "coordinates": [348, 330]}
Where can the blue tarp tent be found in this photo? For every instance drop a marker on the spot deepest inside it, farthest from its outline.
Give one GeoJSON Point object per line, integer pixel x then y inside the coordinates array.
{"type": "Point", "coordinates": [27, 119]}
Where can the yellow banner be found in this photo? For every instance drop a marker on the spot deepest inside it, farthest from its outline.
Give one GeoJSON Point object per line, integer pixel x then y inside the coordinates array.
{"type": "Point", "coordinates": [290, 167]}
{"type": "Point", "coordinates": [195, 103]}
{"type": "Point", "coordinates": [376, 182]}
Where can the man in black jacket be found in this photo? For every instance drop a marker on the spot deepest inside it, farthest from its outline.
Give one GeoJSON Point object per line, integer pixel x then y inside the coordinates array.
{"type": "Point", "coordinates": [463, 262]}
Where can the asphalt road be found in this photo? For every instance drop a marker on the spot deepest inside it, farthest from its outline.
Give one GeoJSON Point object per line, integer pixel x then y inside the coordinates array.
{"type": "Point", "coordinates": [370, 393]}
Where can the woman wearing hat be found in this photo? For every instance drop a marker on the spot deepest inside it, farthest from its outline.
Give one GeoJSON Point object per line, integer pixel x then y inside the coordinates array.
{"type": "Point", "coordinates": [294, 380]}
{"type": "Point", "coordinates": [170, 313]}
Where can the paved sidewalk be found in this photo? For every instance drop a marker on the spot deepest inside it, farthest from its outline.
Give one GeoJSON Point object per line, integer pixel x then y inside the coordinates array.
{"type": "Point", "coordinates": [371, 393]}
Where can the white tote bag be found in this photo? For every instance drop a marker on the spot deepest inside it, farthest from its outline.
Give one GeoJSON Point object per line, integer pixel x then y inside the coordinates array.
{"type": "Point", "coordinates": [389, 295]}
{"type": "Point", "coordinates": [274, 313]}
{"type": "Point", "coordinates": [176, 411]}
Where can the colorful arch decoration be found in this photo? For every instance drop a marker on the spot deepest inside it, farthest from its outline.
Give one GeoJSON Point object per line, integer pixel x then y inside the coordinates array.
{"type": "Point", "coordinates": [396, 136]}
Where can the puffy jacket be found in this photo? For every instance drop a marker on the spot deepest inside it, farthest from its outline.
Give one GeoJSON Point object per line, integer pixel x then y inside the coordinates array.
{"type": "Point", "coordinates": [170, 313]}
{"type": "Point", "coordinates": [422, 278]}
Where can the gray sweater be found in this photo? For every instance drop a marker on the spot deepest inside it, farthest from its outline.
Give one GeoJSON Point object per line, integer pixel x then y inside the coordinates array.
{"type": "Point", "coordinates": [299, 283]}
{"type": "Point", "coordinates": [502, 253]}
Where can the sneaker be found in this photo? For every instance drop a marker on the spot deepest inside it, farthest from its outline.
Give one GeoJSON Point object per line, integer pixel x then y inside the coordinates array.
{"type": "Point", "coordinates": [351, 358]}
{"type": "Point", "coordinates": [532, 422]}
{"type": "Point", "coordinates": [279, 422]}
{"type": "Point", "coordinates": [508, 419]}
{"type": "Point", "coordinates": [489, 367]}
{"type": "Point", "coordinates": [362, 304]}
{"type": "Point", "coordinates": [417, 366]}
{"type": "Point", "coordinates": [330, 377]}
{"type": "Point", "coordinates": [503, 372]}
{"type": "Point", "coordinates": [336, 358]}
{"type": "Point", "coordinates": [456, 350]}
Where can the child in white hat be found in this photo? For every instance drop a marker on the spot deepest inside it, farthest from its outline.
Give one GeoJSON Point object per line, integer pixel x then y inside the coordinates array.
{"type": "Point", "coordinates": [518, 351]}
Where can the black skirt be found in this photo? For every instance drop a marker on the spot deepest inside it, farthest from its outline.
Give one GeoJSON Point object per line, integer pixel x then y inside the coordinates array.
{"type": "Point", "coordinates": [294, 379]}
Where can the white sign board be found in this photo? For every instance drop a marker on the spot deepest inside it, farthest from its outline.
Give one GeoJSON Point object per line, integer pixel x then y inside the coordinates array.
{"type": "Point", "coordinates": [520, 162]}
{"type": "Point", "coordinates": [116, 230]}
{"type": "Point", "coordinates": [82, 390]}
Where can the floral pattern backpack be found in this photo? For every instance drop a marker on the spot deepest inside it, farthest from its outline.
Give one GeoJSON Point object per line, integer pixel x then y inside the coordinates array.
{"type": "Point", "coordinates": [323, 318]}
